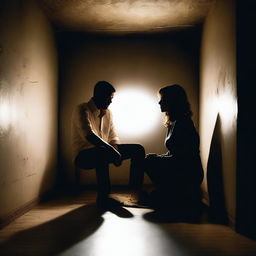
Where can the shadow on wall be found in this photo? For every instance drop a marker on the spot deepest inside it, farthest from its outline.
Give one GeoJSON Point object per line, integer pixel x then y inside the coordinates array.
{"type": "Point", "coordinates": [217, 210]}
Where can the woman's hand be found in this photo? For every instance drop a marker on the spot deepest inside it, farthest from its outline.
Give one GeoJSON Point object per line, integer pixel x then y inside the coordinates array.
{"type": "Point", "coordinates": [151, 155]}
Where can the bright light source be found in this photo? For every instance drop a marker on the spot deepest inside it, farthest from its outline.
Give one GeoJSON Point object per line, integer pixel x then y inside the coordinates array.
{"type": "Point", "coordinates": [135, 111]}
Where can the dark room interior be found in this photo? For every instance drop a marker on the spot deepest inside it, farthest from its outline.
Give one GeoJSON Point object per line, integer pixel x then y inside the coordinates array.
{"type": "Point", "coordinates": [53, 52]}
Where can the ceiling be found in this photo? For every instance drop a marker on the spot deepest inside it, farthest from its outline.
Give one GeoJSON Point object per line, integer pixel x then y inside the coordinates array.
{"type": "Point", "coordinates": [121, 16]}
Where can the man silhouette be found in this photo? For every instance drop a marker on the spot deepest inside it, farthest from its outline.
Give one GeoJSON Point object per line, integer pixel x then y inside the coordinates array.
{"type": "Point", "coordinates": [96, 144]}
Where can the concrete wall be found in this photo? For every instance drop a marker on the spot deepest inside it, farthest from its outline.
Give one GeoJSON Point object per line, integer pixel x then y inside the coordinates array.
{"type": "Point", "coordinates": [218, 101]}
{"type": "Point", "coordinates": [126, 62]}
{"type": "Point", "coordinates": [28, 105]}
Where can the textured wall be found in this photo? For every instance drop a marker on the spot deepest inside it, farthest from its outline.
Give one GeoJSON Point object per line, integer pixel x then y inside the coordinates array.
{"type": "Point", "coordinates": [28, 105]}
{"type": "Point", "coordinates": [125, 62]}
{"type": "Point", "coordinates": [218, 97]}
{"type": "Point", "coordinates": [120, 16]}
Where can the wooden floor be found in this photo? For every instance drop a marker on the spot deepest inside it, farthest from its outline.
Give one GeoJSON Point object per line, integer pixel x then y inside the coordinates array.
{"type": "Point", "coordinates": [72, 225]}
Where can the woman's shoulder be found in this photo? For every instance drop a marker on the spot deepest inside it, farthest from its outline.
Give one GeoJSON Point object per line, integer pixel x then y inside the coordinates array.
{"type": "Point", "coordinates": [185, 121]}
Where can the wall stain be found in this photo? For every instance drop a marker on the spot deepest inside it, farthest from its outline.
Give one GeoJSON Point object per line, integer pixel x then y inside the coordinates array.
{"type": "Point", "coordinates": [31, 174]}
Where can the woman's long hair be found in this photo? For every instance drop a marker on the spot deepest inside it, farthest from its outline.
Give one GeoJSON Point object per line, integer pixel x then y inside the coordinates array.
{"type": "Point", "coordinates": [177, 103]}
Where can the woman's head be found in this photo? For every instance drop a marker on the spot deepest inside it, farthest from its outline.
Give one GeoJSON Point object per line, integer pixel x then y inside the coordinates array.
{"type": "Point", "coordinates": [174, 101]}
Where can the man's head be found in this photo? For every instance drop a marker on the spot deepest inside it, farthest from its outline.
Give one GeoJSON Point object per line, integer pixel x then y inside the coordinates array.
{"type": "Point", "coordinates": [103, 94]}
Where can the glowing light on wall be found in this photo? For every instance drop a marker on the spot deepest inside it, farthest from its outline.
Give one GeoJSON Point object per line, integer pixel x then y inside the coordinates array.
{"type": "Point", "coordinates": [7, 115]}
{"type": "Point", "coordinates": [4, 114]}
{"type": "Point", "coordinates": [227, 105]}
{"type": "Point", "coordinates": [135, 111]}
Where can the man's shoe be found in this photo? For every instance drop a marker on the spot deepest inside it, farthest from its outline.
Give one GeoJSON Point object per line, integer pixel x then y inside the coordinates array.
{"type": "Point", "coordinates": [107, 203]}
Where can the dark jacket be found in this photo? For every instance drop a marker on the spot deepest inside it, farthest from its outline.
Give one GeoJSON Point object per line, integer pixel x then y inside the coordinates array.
{"type": "Point", "coordinates": [182, 142]}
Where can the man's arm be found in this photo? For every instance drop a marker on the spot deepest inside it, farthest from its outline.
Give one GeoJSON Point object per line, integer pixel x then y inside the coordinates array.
{"type": "Point", "coordinates": [85, 128]}
{"type": "Point", "coordinates": [114, 145]}
{"type": "Point", "coordinates": [113, 138]}
{"type": "Point", "coordinates": [99, 142]}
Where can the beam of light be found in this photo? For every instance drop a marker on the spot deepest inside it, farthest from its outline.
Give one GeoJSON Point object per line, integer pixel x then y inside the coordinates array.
{"type": "Point", "coordinates": [135, 112]}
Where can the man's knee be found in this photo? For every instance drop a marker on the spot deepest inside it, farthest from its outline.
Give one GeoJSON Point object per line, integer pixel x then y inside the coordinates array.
{"type": "Point", "coordinates": [103, 156]}
{"type": "Point", "coordinates": [139, 151]}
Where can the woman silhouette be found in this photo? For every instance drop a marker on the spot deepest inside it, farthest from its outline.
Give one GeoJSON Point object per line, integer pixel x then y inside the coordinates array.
{"type": "Point", "coordinates": [178, 174]}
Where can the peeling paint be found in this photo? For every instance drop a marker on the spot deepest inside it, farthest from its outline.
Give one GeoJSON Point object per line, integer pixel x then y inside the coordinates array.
{"type": "Point", "coordinates": [32, 174]}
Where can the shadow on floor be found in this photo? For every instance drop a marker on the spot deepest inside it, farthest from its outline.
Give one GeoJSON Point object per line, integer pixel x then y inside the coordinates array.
{"type": "Point", "coordinates": [173, 217]}
{"type": "Point", "coordinates": [55, 236]}
{"type": "Point", "coordinates": [121, 212]}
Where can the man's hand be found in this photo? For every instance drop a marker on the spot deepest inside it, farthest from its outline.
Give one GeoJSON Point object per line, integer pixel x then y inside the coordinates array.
{"type": "Point", "coordinates": [115, 146]}
{"type": "Point", "coordinates": [117, 162]}
{"type": "Point", "coordinates": [116, 155]}
{"type": "Point", "coordinates": [113, 149]}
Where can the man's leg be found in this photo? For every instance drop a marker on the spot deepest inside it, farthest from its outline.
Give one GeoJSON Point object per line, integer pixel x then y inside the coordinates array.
{"type": "Point", "coordinates": [136, 153]}
{"type": "Point", "coordinates": [98, 158]}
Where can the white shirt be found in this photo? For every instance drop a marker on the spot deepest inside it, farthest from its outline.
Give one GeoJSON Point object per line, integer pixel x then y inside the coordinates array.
{"type": "Point", "coordinates": [88, 119]}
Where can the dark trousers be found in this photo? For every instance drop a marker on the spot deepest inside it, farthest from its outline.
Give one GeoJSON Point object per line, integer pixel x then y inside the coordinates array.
{"type": "Point", "coordinates": [99, 158]}
{"type": "Point", "coordinates": [176, 180]}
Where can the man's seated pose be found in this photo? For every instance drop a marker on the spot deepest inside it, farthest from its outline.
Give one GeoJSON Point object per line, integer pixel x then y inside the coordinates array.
{"type": "Point", "coordinates": [96, 144]}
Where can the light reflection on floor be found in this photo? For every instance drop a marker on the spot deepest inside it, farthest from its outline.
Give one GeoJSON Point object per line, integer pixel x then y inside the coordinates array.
{"type": "Point", "coordinates": [74, 226]}
{"type": "Point", "coordinates": [127, 236]}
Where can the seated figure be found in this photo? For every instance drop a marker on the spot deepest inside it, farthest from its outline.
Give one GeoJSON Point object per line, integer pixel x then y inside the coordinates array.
{"type": "Point", "coordinates": [96, 144]}
{"type": "Point", "coordinates": [178, 174]}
